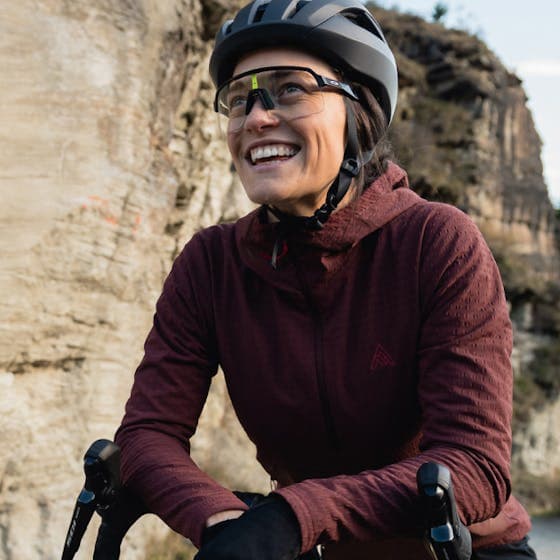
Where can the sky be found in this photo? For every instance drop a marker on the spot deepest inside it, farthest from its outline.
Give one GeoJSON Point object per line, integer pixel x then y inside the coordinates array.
{"type": "Point", "coordinates": [526, 38]}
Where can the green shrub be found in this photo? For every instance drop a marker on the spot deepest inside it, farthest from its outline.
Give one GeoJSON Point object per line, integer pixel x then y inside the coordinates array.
{"type": "Point", "coordinates": [439, 12]}
{"type": "Point", "coordinates": [527, 396]}
{"type": "Point", "coordinates": [538, 385]}
{"type": "Point", "coordinates": [545, 369]}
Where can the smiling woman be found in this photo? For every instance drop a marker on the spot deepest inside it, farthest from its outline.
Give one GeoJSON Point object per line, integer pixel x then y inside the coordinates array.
{"type": "Point", "coordinates": [310, 128]}
{"type": "Point", "coordinates": [362, 331]}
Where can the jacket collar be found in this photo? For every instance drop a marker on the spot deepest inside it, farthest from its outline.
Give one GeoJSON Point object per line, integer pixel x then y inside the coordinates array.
{"type": "Point", "coordinates": [387, 197]}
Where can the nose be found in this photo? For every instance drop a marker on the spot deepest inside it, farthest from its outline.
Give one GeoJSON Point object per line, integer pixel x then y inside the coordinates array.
{"type": "Point", "coordinates": [260, 116]}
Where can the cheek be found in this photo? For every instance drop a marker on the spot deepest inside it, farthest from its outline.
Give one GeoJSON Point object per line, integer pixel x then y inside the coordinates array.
{"type": "Point", "coordinates": [233, 146]}
{"type": "Point", "coordinates": [331, 143]}
{"type": "Point", "coordinates": [333, 131]}
{"type": "Point", "coordinates": [338, 126]}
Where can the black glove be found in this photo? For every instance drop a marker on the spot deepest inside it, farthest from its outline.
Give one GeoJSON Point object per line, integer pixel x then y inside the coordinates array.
{"type": "Point", "coordinates": [269, 530]}
{"type": "Point", "coordinates": [250, 499]}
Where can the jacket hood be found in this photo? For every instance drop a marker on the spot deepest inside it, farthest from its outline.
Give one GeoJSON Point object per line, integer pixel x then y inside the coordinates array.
{"type": "Point", "coordinates": [385, 199]}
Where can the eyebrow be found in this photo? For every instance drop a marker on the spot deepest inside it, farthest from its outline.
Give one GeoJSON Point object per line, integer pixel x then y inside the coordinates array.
{"type": "Point", "coordinates": [240, 83]}
{"type": "Point", "coordinates": [237, 85]}
{"type": "Point", "coordinates": [288, 72]}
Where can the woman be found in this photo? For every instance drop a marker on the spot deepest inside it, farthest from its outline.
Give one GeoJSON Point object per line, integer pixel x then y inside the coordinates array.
{"type": "Point", "coordinates": [362, 331]}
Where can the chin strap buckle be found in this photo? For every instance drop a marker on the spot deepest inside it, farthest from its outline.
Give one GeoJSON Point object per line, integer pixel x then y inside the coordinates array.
{"type": "Point", "coordinates": [351, 166]}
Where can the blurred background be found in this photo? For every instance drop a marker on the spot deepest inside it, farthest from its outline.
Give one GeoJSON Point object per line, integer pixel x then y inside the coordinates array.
{"type": "Point", "coordinates": [111, 158]}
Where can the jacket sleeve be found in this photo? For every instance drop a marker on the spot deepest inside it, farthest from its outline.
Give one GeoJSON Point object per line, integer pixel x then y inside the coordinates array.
{"type": "Point", "coordinates": [464, 393]}
{"type": "Point", "coordinates": [170, 388]}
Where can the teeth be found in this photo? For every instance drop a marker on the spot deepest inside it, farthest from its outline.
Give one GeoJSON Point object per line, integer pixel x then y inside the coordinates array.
{"type": "Point", "coordinates": [274, 150]}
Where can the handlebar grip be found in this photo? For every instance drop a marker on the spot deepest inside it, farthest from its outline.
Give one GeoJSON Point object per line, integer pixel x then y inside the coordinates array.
{"type": "Point", "coordinates": [446, 537]}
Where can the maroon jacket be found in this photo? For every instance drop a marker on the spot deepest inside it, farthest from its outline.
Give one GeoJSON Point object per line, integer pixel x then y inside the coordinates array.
{"type": "Point", "coordinates": [379, 343]}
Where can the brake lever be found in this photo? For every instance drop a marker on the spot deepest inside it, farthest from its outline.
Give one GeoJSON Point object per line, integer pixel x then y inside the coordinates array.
{"type": "Point", "coordinates": [446, 537]}
{"type": "Point", "coordinates": [102, 470]}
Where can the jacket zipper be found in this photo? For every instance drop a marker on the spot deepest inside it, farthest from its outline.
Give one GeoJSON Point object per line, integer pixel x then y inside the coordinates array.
{"type": "Point", "coordinates": [321, 381]}
{"type": "Point", "coordinates": [319, 355]}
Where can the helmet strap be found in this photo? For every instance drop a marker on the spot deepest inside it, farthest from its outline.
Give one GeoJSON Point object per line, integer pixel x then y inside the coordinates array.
{"type": "Point", "coordinates": [351, 166]}
{"type": "Point", "coordinates": [348, 170]}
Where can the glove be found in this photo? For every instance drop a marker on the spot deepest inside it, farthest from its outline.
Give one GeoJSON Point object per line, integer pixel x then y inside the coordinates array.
{"type": "Point", "coordinates": [210, 533]}
{"type": "Point", "coordinates": [269, 530]}
{"type": "Point", "coordinates": [250, 499]}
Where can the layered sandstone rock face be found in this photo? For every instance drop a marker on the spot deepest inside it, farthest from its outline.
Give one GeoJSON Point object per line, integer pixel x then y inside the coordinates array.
{"type": "Point", "coordinates": [111, 158]}
{"type": "Point", "coordinates": [107, 135]}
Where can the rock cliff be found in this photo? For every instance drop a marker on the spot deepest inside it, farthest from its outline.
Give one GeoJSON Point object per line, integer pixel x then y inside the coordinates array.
{"type": "Point", "coordinates": [107, 133]}
{"type": "Point", "coordinates": [111, 158]}
{"type": "Point", "coordinates": [466, 136]}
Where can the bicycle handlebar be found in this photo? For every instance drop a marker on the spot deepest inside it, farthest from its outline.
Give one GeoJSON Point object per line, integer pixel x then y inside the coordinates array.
{"type": "Point", "coordinates": [446, 537]}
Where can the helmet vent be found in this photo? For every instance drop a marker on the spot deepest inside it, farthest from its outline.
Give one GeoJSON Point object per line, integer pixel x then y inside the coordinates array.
{"type": "Point", "coordinates": [364, 21]}
{"type": "Point", "coordinates": [301, 4]}
{"type": "Point", "coordinates": [259, 13]}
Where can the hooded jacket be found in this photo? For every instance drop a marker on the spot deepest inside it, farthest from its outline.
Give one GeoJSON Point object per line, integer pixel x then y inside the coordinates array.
{"type": "Point", "coordinates": [378, 343]}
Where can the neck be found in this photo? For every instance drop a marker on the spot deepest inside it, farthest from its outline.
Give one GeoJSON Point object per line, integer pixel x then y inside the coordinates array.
{"type": "Point", "coordinates": [273, 212]}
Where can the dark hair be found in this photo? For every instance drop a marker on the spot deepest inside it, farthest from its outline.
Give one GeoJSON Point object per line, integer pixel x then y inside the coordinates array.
{"type": "Point", "coordinates": [371, 124]}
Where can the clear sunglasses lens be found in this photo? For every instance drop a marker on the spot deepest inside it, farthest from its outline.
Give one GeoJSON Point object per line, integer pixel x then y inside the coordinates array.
{"type": "Point", "coordinates": [294, 94]}
{"type": "Point", "coordinates": [223, 124]}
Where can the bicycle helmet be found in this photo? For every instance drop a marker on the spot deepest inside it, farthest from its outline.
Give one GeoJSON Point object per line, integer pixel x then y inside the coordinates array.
{"type": "Point", "coordinates": [342, 32]}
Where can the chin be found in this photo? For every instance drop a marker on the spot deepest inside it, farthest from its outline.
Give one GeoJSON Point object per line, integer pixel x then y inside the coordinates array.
{"type": "Point", "coordinates": [267, 196]}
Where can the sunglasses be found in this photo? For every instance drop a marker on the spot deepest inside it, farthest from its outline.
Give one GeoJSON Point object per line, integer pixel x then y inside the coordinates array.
{"type": "Point", "coordinates": [291, 92]}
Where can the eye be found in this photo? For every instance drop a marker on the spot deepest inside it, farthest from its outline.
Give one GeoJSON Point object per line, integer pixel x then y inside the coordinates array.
{"type": "Point", "coordinates": [292, 89]}
{"type": "Point", "coordinates": [236, 101]}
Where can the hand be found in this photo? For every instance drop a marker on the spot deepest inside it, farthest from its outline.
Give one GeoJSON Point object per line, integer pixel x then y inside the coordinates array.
{"type": "Point", "coordinates": [270, 530]}
{"type": "Point", "coordinates": [224, 516]}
